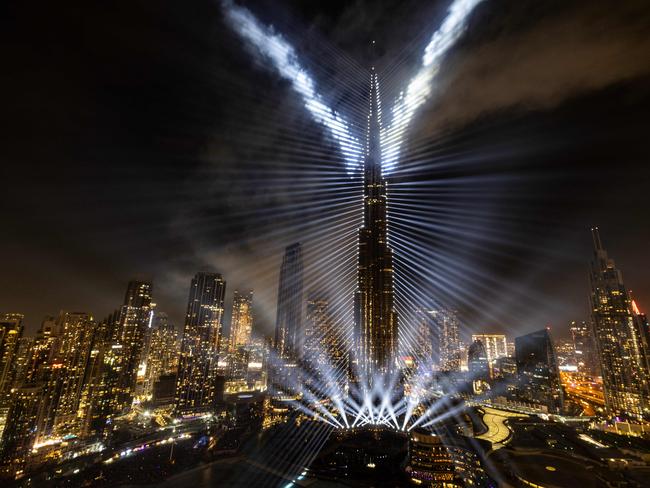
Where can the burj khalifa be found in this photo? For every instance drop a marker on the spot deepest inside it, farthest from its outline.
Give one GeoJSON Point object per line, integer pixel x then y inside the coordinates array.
{"type": "Point", "coordinates": [375, 328]}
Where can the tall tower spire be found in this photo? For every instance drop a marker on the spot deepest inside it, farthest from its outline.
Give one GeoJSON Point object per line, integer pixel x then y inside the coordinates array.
{"type": "Point", "coordinates": [375, 318]}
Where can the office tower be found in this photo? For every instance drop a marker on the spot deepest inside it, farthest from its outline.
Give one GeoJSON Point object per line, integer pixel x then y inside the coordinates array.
{"type": "Point", "coordinates": [11, 330]}
{"type": "Point", "coordinates": [325, 350]}
{"type": "Point", "coordinates": [495, 345]}
{"type": "Point", "coordinates": [537, 368]}
{"type": "Point", "coordinates": [584, 347]}
{"type": "Point", "coordinates": [289, 327]}
{"type": "Point", "coordinates": [196, 387]}
{"type": "Point", "coordinates": [620, 342]}
{"type": "Point", "coordinates": [241, 323]}
{"type": "Point", "coordinates": [451, 347]}
{"type": "Point", "coordinates": [375, 319]}
{"type": "Point", "coordinates": [477, 361]}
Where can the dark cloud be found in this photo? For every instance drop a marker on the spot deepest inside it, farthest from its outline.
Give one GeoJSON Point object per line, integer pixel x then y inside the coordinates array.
{"type": "Point", "coordinates": [142, 140]}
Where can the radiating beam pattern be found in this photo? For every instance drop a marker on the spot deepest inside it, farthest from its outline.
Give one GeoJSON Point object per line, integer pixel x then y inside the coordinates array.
{"type": "Point", "coordinates": [317, 388]}
{"type": "Point", "coordinates": [274, 48]}
{"type": "Point", "coordinates": [420, 86]}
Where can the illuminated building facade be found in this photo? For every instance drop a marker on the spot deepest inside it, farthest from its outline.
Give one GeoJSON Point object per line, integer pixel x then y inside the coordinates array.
{"type": "Point", "coordinates": [375, 318]}
{"type": "Point", "coordinates": [439, 462]}
{"type": "Point", "coordinates": [538, 372]}
{"type": "Point", "coordinates": [22, 428]}
{"type": "Point", "coordinates": [69, 368]}
{"type": "Point", "coordinates": [289, 326]}
{"type": "Point", "coordinates": [451, 347]}
{"type": "Point", "coordinates": [162, 352]}
{"type": "Point", "coordinates": [495, 345]}
{"type": "Point", "coordinates": [620, 341]}
{"type": "Point", "coordinates": [241, 323]}
{"type": "Point", "coordinates": [124, 339]}
{"type": "Point", "coordinates": [584, 348]}
{"type": "Point", "coordinates": [324, 347]}
{"type": "Point", "coordinates": [11, 330]}
{"type": "Point", "coordinates": [426, 349]}
{"type": "Point", "coordinates": [196, 388]}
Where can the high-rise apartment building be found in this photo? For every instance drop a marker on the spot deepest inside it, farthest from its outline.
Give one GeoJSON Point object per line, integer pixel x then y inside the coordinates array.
{"type": "Point", "coordinates": [196, 386]}
{"type": "Point", "coordinates": [241, 322]}
{"type": "Point", "coordinates": [11, 330]}
{"type": "Point", "coordinates": [162, 352]}
{"type": "Point", "coordinates": [621, 343]}
{"type": "Point", "coordinates": [289, 326]}
{"type": "Point", "coordinates": [451, 347]}
{"type": "Point", "coordinates": [325, 350]}
{"type": "Point", "coordinates": [69, 369]}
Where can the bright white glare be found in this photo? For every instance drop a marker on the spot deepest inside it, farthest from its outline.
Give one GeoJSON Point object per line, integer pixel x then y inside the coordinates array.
{"type": "Point", "coordinates": [282, 55]}
{"type": "Point", "coordinates": [419, 88]}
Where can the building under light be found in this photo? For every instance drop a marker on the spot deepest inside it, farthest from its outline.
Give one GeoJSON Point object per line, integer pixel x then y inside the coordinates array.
{"type": "Point", "coordinates": [289, 326]}
{"type": "Point", "coordinates": [621, 343]}
{"type": "Point", "coordinates": [451, 347]}
{"type": "Point", "coordinates": [325, 351]}
{"type": "Point", "coordinates": [375, 321]}
{"type": "Point", "coordinates": [495, 345]}
{"type": "Point", "coordinates": [241, 322]}
{"type": "Point", "coordinates": [196, 387]}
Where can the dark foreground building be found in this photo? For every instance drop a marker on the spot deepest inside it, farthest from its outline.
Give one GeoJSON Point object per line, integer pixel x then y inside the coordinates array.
{"type": "Point", "coordinates": [539, 376]}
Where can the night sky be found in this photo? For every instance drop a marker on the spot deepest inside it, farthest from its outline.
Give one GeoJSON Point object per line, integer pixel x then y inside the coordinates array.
{"type": "Point", "coordinates": [142, 140]}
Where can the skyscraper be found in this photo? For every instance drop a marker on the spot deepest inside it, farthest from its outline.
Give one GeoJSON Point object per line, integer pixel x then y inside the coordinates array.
{"type": "Point", "coordinates": [11, 330]}
{"type": "Point", "coordinates": [539, 376]}
{"type": "Point", "coordinates": [289, 327]}
{"type": "Point", "coordinates": [451, 347]}
{"type": "Point", "coordinates": [128, 341]}
{"type": "Point", "coordinates": [163, 349]}
{"type": "Point", "coordinates": [426, 349]}
{"type": "Point", "coordinates": [477, 361]}
{"type": "Point", "coordinates": [584, 348]}
{"type": "Point", "coordinates": [69, 366]}
{"type": "Point", "coordinates": [196, 387]}
{"type": "Point", "coordinates": [375, 318]}
{"type": "Point", "coordinates": [621, 343]}
{"type": "Point", "coordinates": [325, 351]}
{"type": "Point", "coordinates": [241, 323]}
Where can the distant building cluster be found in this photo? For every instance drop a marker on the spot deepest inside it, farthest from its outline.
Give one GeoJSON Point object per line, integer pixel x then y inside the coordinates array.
{"type": "Point", "coordinates": [66, 390]}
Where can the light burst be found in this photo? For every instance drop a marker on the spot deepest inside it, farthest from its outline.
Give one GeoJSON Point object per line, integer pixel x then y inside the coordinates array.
{"type": "Point", "coordinates": [275, 48]}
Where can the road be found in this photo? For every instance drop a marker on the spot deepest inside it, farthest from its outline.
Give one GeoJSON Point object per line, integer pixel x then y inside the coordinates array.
{"type": "Point", "coordinates": [498, 432]}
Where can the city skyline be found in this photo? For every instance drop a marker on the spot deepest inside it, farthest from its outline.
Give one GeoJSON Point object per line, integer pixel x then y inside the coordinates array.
{"type": "Point", "coordinates": [376, 217]}
{"type": "Point", "coordinates": [547, 247]}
